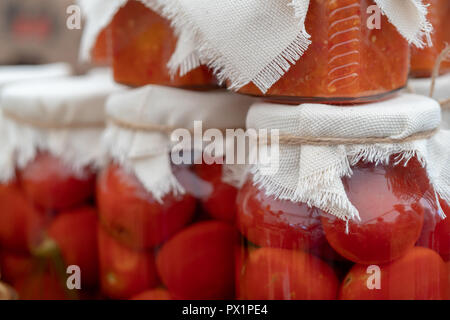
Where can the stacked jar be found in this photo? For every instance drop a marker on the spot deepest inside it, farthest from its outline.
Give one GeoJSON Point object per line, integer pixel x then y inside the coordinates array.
{"type": "Point", "coordinates": [166, 230]}
{"type": "Point", "coordinates": [350, 212]}
{"type": "Point", "coordinates": [430, 67]}
{"type": "Point", "coordinates": [50, 157]}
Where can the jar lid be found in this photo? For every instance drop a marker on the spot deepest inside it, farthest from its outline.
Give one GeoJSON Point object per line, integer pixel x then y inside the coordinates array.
{"type": "Point", "coordinates": [159, 105]}
{"type": "Point", "coordinates": [66, 101]}
{"type": "Point", "coordinates": [141, 121]}
{"type": "Point", "coordinates": [10, 74]}
{"type": "Point", "coordinates": [64, 116]}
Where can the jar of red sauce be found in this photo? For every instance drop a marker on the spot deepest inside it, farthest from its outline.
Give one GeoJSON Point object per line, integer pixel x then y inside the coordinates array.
{"type": "Point", "coordinates": [424, 60]}
{"type": "Point", "coordinates": [290, 251]}
{"type": "Point", "coordinates": [346, 62]}
{"type": "Point", "coordinates": [143, 43]}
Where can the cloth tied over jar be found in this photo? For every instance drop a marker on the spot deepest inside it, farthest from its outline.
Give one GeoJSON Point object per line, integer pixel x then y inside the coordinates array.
{"type": "Point", "coordinates": [244, 41]}
{"type": "Point", "coordinates": [141, 123]}
{"type": "Point", "coordinates": [258, 41]}
{"type": "Point", "coordinates": [319, 144]}
{"type": "Point", "coordinates": [63, 116]}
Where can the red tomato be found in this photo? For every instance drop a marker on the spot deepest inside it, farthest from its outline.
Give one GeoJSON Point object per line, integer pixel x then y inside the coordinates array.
{"type": "Point", "coordinates": [389, 203]}
{"type": "Point", "coordinates": [124, 272]}
{"type": "Point", "coordinates": [198, 262]}
{"type": "Point", "coordinates": [21, 225]}
{"type": "Point", "coordinates": [420, 274]}
{"type": "Point", "coordinates": [436, 231]}
{"type": "Point", "coordinates": [269, 222]}
{"type": "Point", "coordinates": [134, 216]}
{"type": "Point", "coordinates": [14, 266]}
{"type": "Point", "coordinates": [220, 201]}
{"type": "Point", "coordinates": [75, 234]}
{"type": "Point", "coordinates": [281, 274]}
{"type": "Point", "coordinates": [43, 286]}
{"type": "Point", "coordinates": [52, 185]}
{"type": "Point", "coordinates": [154, 294]}
{"type": "Point", "coordinates": [240, 258]}
{"type": "Point", "coordinates": [448, 272]}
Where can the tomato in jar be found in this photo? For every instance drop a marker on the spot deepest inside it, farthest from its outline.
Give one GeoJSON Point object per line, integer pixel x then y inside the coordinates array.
{"type": "Point", "coordinates": [21, 224]}
{"type": "Point", "coordinates": [52, 185]}
{"type": "Point", "coordinates": [423, 60]}
{"type": "Point", "coordinates": [220, 201]}
{"type": "Point", "coordinates": [14, 266]}
{"type": "Point", "coordinates": [133, 215]}
{"type": "Point", "coordinates": [73, 235]}
{"type": "Point", "coordinates": [346, 62]}
{"type": "Point", "coordinates": [198, 262]}
{"type": "Point", "coordinates": [281, 274]}
{"type": "Point", "coordinates": [420, 274]}
{"type": "Point", "coordinates": [154, 294]}
{"type": "Point", "coordinates": [436, 230]}
{"type": "Point", "coordinates": [124, 272]}
{"type": "Point", "coordinates": [143, 43]}
{"type": "Point", "coordinates": [269, 222]}
{"type": "Point", "coordinates": [389, 201]}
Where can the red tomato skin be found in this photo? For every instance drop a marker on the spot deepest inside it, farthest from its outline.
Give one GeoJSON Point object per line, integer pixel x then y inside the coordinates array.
{"type": "Point", "coordinates": [282, 274]}
{"type": "Point", "coordinates": [124, 272]}
{"type": "Point", "coordinates": [42, 286]}
{"type": "Point", "coordinates": [21, 224]}
{"type": "Point", "coordinates": [420, 274]}
{"type": "Point", "coordinates": [220, 203]}
{"type": "Point", "coordinates": [389, 201]}
{"type": "Point", "coordinates": [154, 294]}
{"type": "Point", "coordinates": [198, 262]}
{"type": "Point", "coordinates": [75, 233]}
{"type": "Point", "coordinates": [14, 266]}
{"type": "Point", "coordinates": [134, 216]}
{"type": "Point", "coordinates": [436, 231]}
{"type": "Point", "coordinates": [274, 223]}
{"type": "Point", "coordinates": [52, 185]}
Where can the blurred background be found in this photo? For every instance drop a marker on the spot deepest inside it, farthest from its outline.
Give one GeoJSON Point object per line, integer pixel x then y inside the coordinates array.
{"type": "Point", "coordinates": [35, 32]}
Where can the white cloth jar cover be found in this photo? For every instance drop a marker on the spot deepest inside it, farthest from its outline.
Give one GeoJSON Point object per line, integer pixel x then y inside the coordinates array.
{"type": "Point", "coordinates": [258, 40]}
{"type": "Point", "coordinates": [312, 173]}
{"type": "Point", "coordinates": [134, 138]}
{"type": "Point", "coordinates": [10, 74]}
{"type": "Point", "coordinates": [63, 116]}
{"type": "Point", "coordinates": [229, 36]}
{"type": "Point", "coordinates": [441, 93]}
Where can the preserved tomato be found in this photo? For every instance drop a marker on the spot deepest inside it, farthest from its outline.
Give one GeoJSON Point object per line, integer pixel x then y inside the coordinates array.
{"type": "Point", "coordinates": [389, 201]}
{"type": "Point", "coordinates": [143, 43]}
{"type": "Point", "coordinates": [134, 216]}
{"type": "Point", "coordinates": [52, 185]}
{"type": "Point", "coordinates": [347, 62]}
{"type": "Point", "coordinates": [420, 274]}
{"type": "Point", "coordinates": [292, 251]}
{"type": "Point", "coordinates": [424, 60]}
{"type": "Point", "coordinates": [220, 200]}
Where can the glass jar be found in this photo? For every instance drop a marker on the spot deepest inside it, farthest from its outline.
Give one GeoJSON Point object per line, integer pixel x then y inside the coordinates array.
{"type": "Point", "coordinates": [424, 60]}
{"type": "Point", "coordinates": [146, 245]}
{"type": "Point", "coordinates": [143, 43]}
{"type": "Point", "coordinates": [48, 222]}
{"type": "Point", "coordinates": [290, 251]}
{"type": "Point", "coordinates": [346, 62]}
